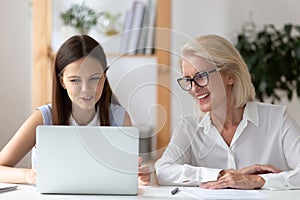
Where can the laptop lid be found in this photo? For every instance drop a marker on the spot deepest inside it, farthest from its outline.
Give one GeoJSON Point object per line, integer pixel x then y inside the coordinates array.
{"type": "Point", "coordinates": [87, 160]}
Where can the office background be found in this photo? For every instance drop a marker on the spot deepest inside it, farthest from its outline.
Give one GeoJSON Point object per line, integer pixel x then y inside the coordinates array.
{"type": "Point", "coordinates": [190, 18]}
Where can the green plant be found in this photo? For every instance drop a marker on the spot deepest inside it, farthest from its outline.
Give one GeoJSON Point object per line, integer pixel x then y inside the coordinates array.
{"type": "Point", "coordinates": [81, 17]}
{"type": "Point", "coordinates": [273, 59]}
{"type": "Point", "coordinates": [109, 23]}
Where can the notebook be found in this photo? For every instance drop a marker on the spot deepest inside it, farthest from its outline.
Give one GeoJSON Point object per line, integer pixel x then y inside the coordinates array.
{"type": "Point", "coordinates": [87, 160]}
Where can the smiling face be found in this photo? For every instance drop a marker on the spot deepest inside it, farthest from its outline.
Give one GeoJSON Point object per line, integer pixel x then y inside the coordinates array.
{"type": "Point", "coordinates": [208, 97]}
{"type": "Point", "coordinates": [84, 80]}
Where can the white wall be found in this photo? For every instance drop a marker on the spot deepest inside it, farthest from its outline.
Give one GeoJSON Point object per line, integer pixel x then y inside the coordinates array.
{"type": "Point", "coordinates": [134, 82]}
{"type": "Point", "coordinates": [15, 67]}
{"type": "Point", "coordinates": [223, 17]}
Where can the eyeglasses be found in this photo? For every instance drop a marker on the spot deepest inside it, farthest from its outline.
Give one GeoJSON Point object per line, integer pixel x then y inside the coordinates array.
{"type": "Point", "coordinates": [201, 79]}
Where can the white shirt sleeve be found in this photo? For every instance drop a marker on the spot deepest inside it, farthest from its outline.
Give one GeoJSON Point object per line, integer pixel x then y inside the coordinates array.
{"type": "Point", "coordinates": [282, 181]}
{"type": "Point", "coordinates": [186, 175]}
{"type": "Point", "coordinates": [291, 146]}
{"type": "Point", "coordinates": [175, 168]}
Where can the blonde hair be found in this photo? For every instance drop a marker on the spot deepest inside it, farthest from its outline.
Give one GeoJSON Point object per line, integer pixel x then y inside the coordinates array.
{"type": "Point", "coordinates": [224, 55]}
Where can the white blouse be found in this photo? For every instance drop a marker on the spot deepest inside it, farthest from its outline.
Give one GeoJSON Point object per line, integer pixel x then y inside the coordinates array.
{"type": "Point", "coordinates": [267, 134]}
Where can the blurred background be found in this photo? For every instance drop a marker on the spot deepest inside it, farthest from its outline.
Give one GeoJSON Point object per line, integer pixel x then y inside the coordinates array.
{"type": "Point", "coordinates": [189, 18]}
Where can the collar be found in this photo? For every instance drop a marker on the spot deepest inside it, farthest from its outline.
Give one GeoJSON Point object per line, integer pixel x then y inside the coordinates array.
{"type": "Point", "coordinates": [250, 114]}
{"type": "Point", "coordinates": [205, 121]}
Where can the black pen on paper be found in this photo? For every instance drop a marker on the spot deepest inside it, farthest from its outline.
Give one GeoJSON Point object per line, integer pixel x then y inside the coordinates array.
{"type": "Point", "coordinates": [175, 190]}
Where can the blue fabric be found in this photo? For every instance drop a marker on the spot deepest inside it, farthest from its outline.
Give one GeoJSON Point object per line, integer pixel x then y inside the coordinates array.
{"type": "Point", "coordinates": [46, 111]}
{"type": "Point", "coordinates": [116, 114]}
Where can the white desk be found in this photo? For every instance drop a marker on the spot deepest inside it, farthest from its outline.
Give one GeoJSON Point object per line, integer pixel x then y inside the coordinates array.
{"type": "Point", "coordinates": [25, 192]}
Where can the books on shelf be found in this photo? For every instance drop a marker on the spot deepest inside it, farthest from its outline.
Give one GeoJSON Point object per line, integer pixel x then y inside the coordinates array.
{"type": "Point", "coordinates": [126, 30]}
{"type": "Point", "coordinates": [146, 42]}
{"type": "Point", "coordinates": [139, 28]}
{"type": "Point", "coordinates": [137, 22]}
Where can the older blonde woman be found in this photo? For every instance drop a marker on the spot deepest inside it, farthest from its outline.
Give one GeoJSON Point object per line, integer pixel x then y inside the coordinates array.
{"type": "Point", "coordinates": [239, 143]}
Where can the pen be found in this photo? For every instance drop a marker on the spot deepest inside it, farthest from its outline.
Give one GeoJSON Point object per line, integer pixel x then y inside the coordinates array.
{"type": "Point", "coordinates": [175, 190]}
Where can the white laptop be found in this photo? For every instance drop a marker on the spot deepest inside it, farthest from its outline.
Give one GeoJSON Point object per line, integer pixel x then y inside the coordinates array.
{"type": "Point", "coordinates": [87, 160]}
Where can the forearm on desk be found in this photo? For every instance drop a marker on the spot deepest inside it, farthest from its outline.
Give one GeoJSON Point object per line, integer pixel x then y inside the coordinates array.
{"type": "Point", "coordinates": [172, 168]}
{"type": "Point", "coordinates": [13, 175]}
{"type": "Point", "coordinates": [186, 175]}
{"type": "Point", "coordinates": [282, 181]}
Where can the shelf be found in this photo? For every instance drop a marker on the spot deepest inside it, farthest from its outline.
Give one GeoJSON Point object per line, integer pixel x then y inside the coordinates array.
{"type": "Point", "coordinates": [131, 56]}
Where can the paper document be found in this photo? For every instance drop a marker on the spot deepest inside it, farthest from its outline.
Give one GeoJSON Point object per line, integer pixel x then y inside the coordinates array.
{"type": "Point", "coordinates": [200, 193]}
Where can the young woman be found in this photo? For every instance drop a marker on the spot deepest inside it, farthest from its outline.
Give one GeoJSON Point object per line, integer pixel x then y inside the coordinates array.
{"type": "Point", "coordinates": [239, 143]}
{"type": "Point", "coordinates": [81, 95]}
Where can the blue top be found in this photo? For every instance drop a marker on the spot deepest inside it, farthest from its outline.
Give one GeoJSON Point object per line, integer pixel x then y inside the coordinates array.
{"type": "Point", "coordinates": [116, 114]}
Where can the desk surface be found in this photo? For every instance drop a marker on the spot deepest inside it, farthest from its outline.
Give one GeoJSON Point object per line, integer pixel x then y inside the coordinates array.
{"type": "Point", "coordinates": [26, 192]}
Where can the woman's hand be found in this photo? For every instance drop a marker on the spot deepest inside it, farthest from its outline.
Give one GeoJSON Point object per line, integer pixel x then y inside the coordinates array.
{"type": "Point", "coordinates": [245, 178]}
{"type": "Point", "coordinates": [258, 169]}
{"type": "Point", "coordinates": [144, 173]}
{"type": "Point", "coordinates": [235, 180]}
{"type": "Point", "coordinates": [30, 176]}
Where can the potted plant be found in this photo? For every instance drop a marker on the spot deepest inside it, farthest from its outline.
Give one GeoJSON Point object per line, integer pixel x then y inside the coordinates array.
{"type": "Point", "coordinates": [273, 58]}
{"type": "Point", "coordinates": [109, 23]}
{"type": "Point", "coordinates": [81, 17]}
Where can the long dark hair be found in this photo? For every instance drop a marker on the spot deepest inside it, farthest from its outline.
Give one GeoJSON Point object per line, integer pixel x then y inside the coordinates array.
{"type": "Point", "coordinates": [73, 49]}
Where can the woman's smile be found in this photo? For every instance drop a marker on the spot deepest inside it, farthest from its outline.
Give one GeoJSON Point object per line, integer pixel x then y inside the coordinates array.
{"type": "Point", "coordinates": [87, 98]}
{"type": "Point", "coordinates": [203, 97]}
